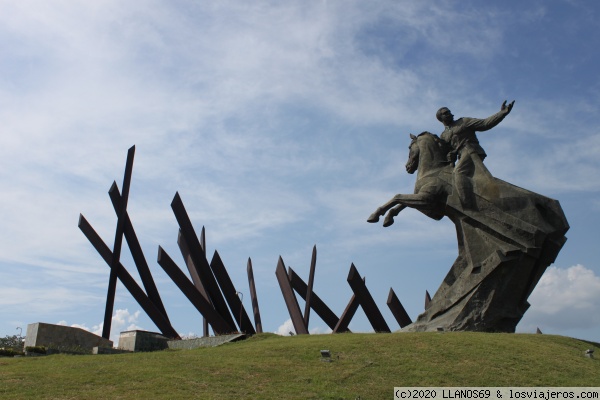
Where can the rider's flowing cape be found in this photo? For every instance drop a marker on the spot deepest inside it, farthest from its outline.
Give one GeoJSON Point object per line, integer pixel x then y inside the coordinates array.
{"type": "Point", "coordinates": [505, 243]}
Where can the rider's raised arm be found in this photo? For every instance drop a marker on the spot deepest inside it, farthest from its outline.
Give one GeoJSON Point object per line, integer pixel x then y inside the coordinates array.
{"type": "Point", "coordinates": [481, 125]}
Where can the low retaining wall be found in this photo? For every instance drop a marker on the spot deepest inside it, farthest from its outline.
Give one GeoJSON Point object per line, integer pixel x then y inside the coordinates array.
{"type": "Point", "coordinates": [151, 341]}
{"type": "Point", "coordinates": [106, 350]}
{"type": "Point", "coordinates": [210, 341]}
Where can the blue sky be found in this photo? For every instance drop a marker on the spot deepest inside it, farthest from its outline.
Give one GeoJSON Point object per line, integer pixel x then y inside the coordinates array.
{"type": "Point", "coordinates": [283, 125]}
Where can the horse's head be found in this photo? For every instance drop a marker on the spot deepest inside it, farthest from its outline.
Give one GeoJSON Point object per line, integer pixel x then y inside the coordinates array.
{"type": "Point", "coordinates": [413, 155]}
{"type": "Point", "coordinates": [428, 146]}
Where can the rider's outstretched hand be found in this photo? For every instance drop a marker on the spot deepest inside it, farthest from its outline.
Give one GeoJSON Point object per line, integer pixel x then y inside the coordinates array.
{"type": "Point", "coordinates": [507, 108]}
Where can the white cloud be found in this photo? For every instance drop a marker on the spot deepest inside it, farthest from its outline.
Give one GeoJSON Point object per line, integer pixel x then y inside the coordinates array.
{"type": "Point", "coordinates": [189, 335]}
{"type": "Point", "coordinates": [46, 300]}
{"type": "Point", "coordinates": [122, 320]}
{"type": "Point", "coordinates": [285, 328]}
{"type": "Point", "coordinates": [319, 330]}
{"type": "Point", "coordinates": [565, 299]}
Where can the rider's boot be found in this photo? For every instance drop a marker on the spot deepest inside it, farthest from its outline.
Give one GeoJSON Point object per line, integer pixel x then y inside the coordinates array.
{"type": "Point", "coordinates": [464, 188]}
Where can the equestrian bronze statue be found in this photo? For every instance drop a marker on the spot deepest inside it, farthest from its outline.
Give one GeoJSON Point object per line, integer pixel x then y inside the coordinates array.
{"type": "Point", "coordinates": [507, 236]}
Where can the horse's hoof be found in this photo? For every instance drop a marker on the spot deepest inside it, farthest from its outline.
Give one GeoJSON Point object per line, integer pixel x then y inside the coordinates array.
{"type": "Point", "coordinates": [373, 218]}
{"type": "Point", "coordinates": [388, 222]}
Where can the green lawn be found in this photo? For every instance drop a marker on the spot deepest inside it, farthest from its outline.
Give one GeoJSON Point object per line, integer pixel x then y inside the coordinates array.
{"type": "Point", "coordinates": [271, 367]}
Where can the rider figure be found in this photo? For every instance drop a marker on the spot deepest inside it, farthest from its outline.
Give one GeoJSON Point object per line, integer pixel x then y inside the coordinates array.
{"type": "Point", "coordinates": [460, 134]}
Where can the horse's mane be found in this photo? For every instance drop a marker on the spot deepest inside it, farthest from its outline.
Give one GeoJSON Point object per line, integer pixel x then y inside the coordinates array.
{"type": "Point", "coordinates": [442, 144]}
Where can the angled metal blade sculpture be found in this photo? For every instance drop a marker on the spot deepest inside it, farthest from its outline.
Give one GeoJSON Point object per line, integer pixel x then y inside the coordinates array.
{"type": "Point", "coordinates": [197, 255]}
{"type": "Point", "coordinates": [255, 309]}
{"type": "Point", "coordinates": [116, 253]}
{"type": "Point", "coordinates": [136, 252]}
{"type": "Point", "coordinates": [309, 290]}
{"type": "Point", "coordinates": [203, 244]}
{"type": "Point", "coordinates": [366, 301]}
{"type": "Point", "coordinates": [185, 252]}
{"type": "Point", "coordinates": [155, 314]}
{"type": "Point", "coordinates": [228, 289]}
{"type": "Point", "coordinates": [398, 310]}
{"type": "Point", "coordinates": [290, 300]}
{"type": "Point", "coordinates": [347, 315]}
{"type": "Point", "coordinates": [215, 319]}
{"type": "Point", "coordinates": [316, 303]}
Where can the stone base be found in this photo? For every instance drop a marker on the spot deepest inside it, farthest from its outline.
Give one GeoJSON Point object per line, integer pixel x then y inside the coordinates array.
{"type": "Point", "coordinates": [142, 341]}
{"type": "Point", "coordinates": [60, 336]}
{"type": "Point", "coordinates": [504, 247]}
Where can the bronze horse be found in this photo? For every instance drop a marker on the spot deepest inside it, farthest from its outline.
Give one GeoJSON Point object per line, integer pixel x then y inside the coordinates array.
{"type": "Point", "coordinates": [428, 155]}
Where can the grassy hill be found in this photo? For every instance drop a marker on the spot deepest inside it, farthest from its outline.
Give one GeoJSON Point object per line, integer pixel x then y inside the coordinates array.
{"type": "Point", "coordinates": [267, 366]}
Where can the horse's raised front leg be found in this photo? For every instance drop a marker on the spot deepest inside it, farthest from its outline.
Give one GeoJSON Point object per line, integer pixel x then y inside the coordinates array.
{"type": "Point", "coordinates": [393, 212]}
{"type": "Point", "coordinates": [382, 210]}
{"type": "Point", "coordinates": [375, 216]}
{"type": "Point", "coordinates": [398, 203]}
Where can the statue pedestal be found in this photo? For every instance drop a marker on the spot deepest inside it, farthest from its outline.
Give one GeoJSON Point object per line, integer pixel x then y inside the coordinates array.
{"type": "Point", "coordinates": [504, 246]}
